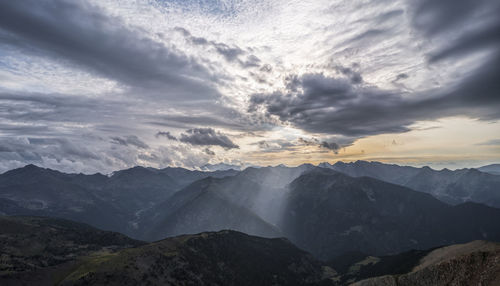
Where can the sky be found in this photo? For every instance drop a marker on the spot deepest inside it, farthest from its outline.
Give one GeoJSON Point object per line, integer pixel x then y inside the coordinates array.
{"type": "Point", "coordinates": [98, 86]}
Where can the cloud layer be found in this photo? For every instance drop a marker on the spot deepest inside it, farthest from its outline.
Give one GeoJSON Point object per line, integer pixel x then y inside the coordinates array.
{"type": "Point", "coordinates": [101, 85]}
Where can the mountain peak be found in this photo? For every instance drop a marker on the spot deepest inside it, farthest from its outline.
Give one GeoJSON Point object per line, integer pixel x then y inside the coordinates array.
{"type": "Point", "coordinates": [30, 168]}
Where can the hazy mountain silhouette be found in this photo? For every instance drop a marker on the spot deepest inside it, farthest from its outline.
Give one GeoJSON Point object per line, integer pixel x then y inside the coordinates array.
{"type": "Point", "coordinates": [329, 213]}
{"type": "Point", "coordinates": [112, 203]}
{"type": "Point", "coordinates": [449, 186]}
{"type": "Point", "coordinates": [325, 212]}
{"type": "Point", "coordinates": [493, 169]}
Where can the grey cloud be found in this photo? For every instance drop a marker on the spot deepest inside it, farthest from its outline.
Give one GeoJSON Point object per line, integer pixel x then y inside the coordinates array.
{"type": "Point", "coordinates": [82, 35]}
{"type": "Point", "coordinates": [34, 149]}
{"type": "Point", "coordinates": [267, 68]}
{"type": "Point", "coordinates": [231, 53]}
{"type": "Point", "coordinates": [207, 136]}
{"type": "Point", "coordinates": [487, 38]}
{"type": "Point", "coordinates": [335, 106]}
{"type": "Point", "coordinates": [365, 38]}
{"type": "Point", "coordinates": [166, 135]}
{"type": "Point", "coordinates": [466, 26]}
{"type": "Point", "coordinates": [310, 142]}
{"type": "Point", "coordinates": [276, 145]}
{"type": "Point", "coordinates": [355, 76]}
{"type": "Point", "coordinates": [331, 146]}
{"type": "Point", "coordinates": [130, 140]}
{"type": "Point", "coordinates": [51, 107]}
{"type": "Point", "coordinates": [251, 61]}
{"type": "Point", "coordinates": [401, 76]}
{"type": "Point", "coordinates": [382, 18]}
{"type": "Point", "coordinates": [220, 119]}
{"type": "Point", "coordinates": [434, 17]}
{"type": "Point", "coordinates": [209, 152]}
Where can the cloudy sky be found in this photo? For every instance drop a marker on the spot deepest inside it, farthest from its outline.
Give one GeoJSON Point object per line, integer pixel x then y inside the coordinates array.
{"type": "Point", "coordinates": [96, 86]}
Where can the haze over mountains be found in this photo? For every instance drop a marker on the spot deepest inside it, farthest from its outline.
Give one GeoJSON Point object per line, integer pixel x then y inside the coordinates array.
{"type": "Point", "coordinates": [453, 187]}
{"type": "Point", "coordinates": [368, 207]}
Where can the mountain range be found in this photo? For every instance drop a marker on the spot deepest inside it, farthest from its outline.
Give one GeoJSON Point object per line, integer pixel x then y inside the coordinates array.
{"type": "Point", "coordinates": [453, 187]}
{"type": "Point", "coordinates": [327, 210]}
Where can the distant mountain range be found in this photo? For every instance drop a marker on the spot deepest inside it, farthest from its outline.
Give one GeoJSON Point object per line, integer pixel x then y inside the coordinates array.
{"type": "Point", "coordinates": [329, 213]}
{"type": "Point", "coordinates": [368, 207]}
{"type": "Point", "coordinates": [493, 169]}
{"type": "Point", "coordinates": [219, 167]}
{"type": "Point", "coordinates": [453, 187]}
{"type": "Point", "coordinates": [113, 202]}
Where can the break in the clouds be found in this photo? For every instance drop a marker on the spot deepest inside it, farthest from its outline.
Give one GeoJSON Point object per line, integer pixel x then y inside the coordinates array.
{"type": "Point", "coordinates": [87, 85]}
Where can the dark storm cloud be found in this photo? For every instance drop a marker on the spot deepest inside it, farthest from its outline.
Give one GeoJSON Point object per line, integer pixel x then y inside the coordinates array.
{"type": "Point", "coordinates": [434, 17]}
{"type": "Point", "coordinates": [467, 25]}
{"type": "Point", "coordinates": [165, 134]}
{"type": "Point", "coordinates": [82, 35]}
{"type": "Point", "coordinates": [330, 105]}
{"type": "Point", "coordinates": [130, 140]}
{"type": "Point", "coordinates": [484, 39]}
{"type": "Point", "coordinates": [207, 137]}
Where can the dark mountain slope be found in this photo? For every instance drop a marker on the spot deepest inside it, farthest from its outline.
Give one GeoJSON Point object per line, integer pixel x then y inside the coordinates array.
{"type": "Point", "coordinates": [43, 192]}
{"type": "Point", "coordinates": [355, 266]}
{"type": "Point", "coordinates": [112, 203]}
{"type": "Point", "coordinates": [250, 201]}
{"type": "Point", "coordinates": [44, 251]}
{"type": "Point", "coordinates": [221, 258]}
{"type": "Point", "coordinates": [30, 244]}
{"type": "Point", "coordinates": [474, 263]}
{"type": "Point", "coordinates": [329, 213]}
{"type": "Point", "coordinates": [203, 206]}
